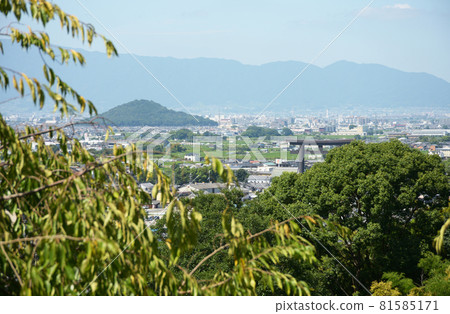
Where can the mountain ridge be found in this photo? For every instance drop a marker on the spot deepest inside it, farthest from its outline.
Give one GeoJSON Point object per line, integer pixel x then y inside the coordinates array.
{"type": "Point", "coordinates": [210, 85]}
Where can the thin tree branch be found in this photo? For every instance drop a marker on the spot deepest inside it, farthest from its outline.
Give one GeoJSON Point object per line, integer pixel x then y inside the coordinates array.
{"type": "Point", "coordinates": [249, 238]}
{"type": "Point", "coordinates": [72, 177]}
{"type": "Point", "coordinates": [261, 271]}
{"type": "Point", "coordinates": [12, 265]}
{"type": "Point", "coordinates": [11, 70]}
{"type": "Point", "coordinates": [91, 121]}
{"type": "Point", "coordinates": [262, 254]}
{"type": "Point", "coordinates": [217, 284]}
{"type": "Point", "coordinates": [14, 98]}
{"type": "Point", "coordinates": [39, 238]}
{"type": "Point", "coordinates": [208, 257]}
{"type": "Point", "coordinates": [71, 124]}
{"type": "Point", "coordinates": [9, 26]}
{"type": "Point", "coordinates": [207, 287]}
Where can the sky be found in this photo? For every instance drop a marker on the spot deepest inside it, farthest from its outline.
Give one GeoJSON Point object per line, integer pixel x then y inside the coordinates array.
{"type": "Point", "coordinates": [408, 35]}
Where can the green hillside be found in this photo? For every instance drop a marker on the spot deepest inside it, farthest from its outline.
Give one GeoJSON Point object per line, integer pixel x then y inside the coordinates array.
{"type": "Point", "coordinates": [145, 112]}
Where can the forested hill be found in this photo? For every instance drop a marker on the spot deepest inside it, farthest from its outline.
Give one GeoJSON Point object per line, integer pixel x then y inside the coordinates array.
{"type": "Point", "coordinates": [150, 113]}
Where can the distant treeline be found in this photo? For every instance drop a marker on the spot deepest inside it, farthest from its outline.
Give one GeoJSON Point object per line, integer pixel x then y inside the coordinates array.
{"type": "Point", "coordinates": [256, 131]}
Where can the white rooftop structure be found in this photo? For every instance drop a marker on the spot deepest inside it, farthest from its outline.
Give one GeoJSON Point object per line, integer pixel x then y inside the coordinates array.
{"type": "Point", "coordinates": [430, 132]}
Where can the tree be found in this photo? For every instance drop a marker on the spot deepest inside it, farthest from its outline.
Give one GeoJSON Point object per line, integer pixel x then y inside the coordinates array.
{"type": "Point", "coordinates": [436, 272]}
{"type": "Point", "coordinates": [242, 175]}
{"type": "Point", "coordinates": [207, 133]}
{"type": "Point", "coordinates": [389, 196]}
{"type": "Point", "coordinates": [185, 175]}
{"type": "Point", "coordinates": [383, 288]}
{"type": "Point", "coordinates": [256, 131]}
{"type": "Point", "coordinates": [73, 224]}
{"type": "Point", "coordinates": [286, 132]}
{"type": "Point", "coordinates": [220, 209]}
{"type": "Point", "coordinates": [183, 134]}
{"type": "Point", "coordinates": [399, 281]}
{"type": "Point", "coordinates": [177, 148]}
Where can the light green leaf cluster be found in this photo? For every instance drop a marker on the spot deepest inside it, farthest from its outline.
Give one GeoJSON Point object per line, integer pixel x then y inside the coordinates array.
{"type": "Point", "coordinates": [73, 224]}
{"type": "Point", "coordinates": [55, 88]}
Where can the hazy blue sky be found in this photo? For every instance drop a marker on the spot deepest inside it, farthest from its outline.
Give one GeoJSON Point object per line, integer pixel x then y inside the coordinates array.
{"type": "Point", "coordinates": [409, 35]}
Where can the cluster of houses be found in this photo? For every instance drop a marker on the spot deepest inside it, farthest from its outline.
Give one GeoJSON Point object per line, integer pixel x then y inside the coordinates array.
{"type": "Point", "coordinates": [260, 177]}
{"type": "Point", "coordinates": [442, 151]}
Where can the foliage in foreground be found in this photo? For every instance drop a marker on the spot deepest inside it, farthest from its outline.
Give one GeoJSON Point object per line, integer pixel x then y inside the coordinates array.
{"type": "Point", "coordinates": [72, 224]}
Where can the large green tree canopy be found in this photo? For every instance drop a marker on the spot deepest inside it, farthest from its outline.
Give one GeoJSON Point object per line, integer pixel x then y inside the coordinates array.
{"type": "Point", "coordinates": [389, 195]}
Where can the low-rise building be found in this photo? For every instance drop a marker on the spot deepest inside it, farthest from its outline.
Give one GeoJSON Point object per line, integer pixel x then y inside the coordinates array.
{"type": "Point", "coordinates": [192, 157]}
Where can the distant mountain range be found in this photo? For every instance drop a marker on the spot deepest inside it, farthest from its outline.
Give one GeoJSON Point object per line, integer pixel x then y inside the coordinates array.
{"type": "Point", "coordinates": [207, 85]}
{"type": "Point", "coordinates": [149, 113]}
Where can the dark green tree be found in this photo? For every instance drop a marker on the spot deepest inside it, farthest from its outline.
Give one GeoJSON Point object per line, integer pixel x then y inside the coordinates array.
{"type": "Point", "coordinates": [389, 195]}
{"type": "Point", "coordinates": [207, 133]}
{"type": "Point", "coordinates": [256, 131]}
{"type": "Point", "coordinates": [185, 175]}
{"type": "Point", "coordinates": [241, 175]}
{"type": "Point", "coordinates": [287, 132]}
{"type": "Point", "coordinates": [399, 281]}
{"type": "Point", "coordinates": [183, 134]}
{"type": "Point", "coordinates": [212, 255]}
{"type": "Point", "coordinates": [177, 148]}
{"type": "Point", "coordinates": [436, 272]}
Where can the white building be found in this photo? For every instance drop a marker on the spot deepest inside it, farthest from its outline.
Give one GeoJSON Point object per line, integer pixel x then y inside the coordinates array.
{"type": "Point", "coordinates": [192, 157]}
{"type": "Point", "coordinates": [443, 152]}
{"type": "Point", "coordinates": [430, 132]}
{"type": "Point", "coordinates": [259, 179]}
{"type": "Point", "coordinates": [359, 130]}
